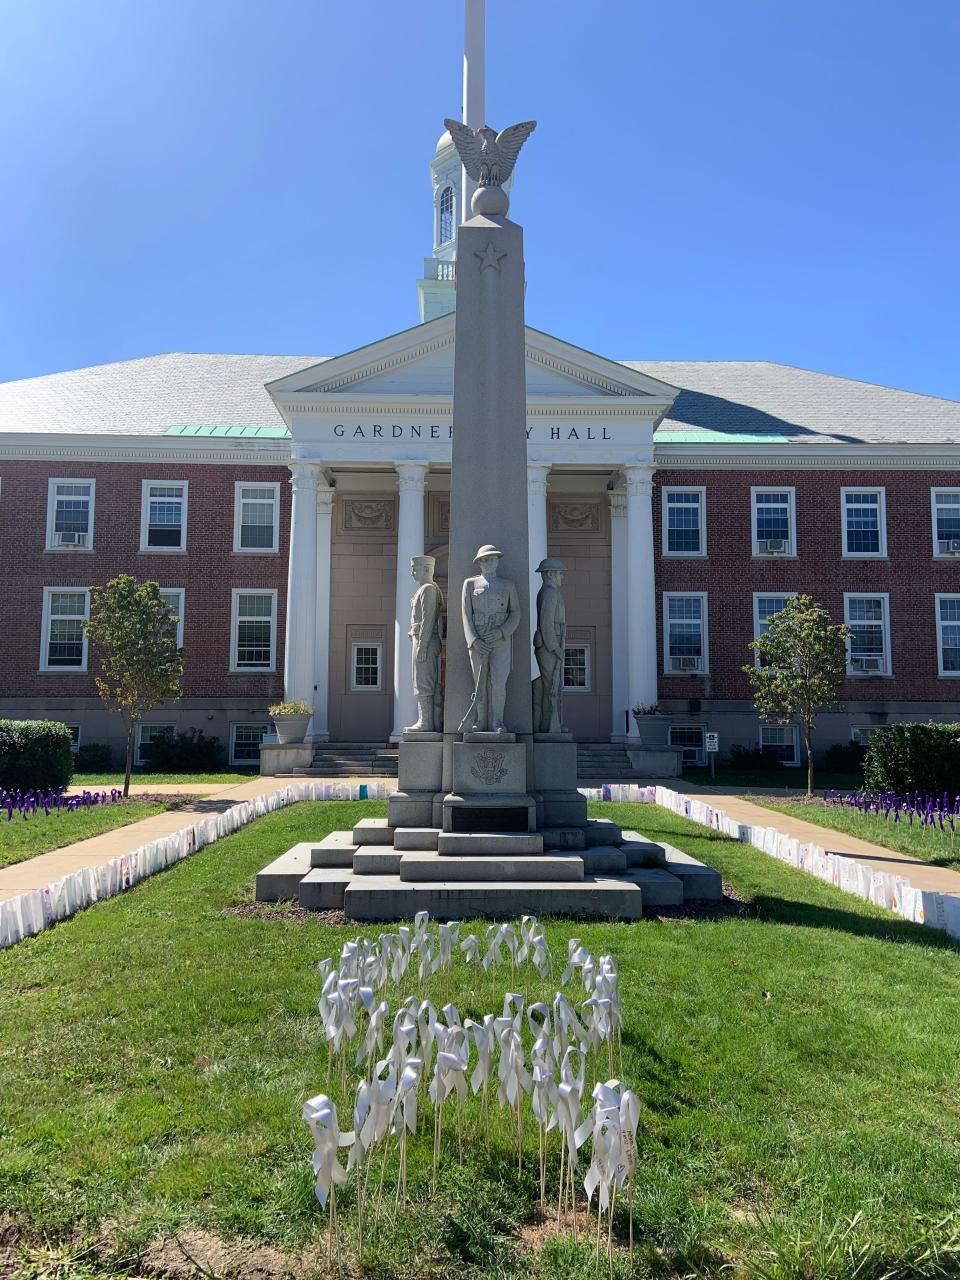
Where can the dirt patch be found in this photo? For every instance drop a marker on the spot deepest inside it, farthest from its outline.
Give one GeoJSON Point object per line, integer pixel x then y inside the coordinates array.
{"type": "Point", "coordinates": [732, 904]}
{"type": "Point", "coordinates": [285, 911]}
{"type": "Point", "coordinates": [194, 1253]}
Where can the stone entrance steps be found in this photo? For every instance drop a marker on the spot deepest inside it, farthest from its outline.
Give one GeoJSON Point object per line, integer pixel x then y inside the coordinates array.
{"type": "Point", "coordinates": [604, 762]}
{"type": "Point", "coordinates": [351, 760]}
{"type": "Point", "coordinates": [367, 874]}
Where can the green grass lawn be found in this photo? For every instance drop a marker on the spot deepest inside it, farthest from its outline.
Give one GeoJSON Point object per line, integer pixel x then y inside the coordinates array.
{"type": "Point", "coordinates": [798, 1067]}
{"type": "Point", "coordinates": [940, 848]}
{"type": "Point", "coordinates": [223, 778]}
{"type": "Point", "coordinates": [22, 838]}
{"type": "Point", "coordinates": [782, 779]}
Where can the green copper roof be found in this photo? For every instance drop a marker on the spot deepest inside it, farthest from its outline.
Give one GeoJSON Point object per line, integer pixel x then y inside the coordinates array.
{"type": "Point", "coordinates": [700, 435]}
{"type": "Point", "coordinates": [233, 433]}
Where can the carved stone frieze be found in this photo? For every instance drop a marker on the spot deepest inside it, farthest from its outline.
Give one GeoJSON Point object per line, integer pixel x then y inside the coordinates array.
{"type": "Point", "coordinates": [574, 517]}
{"type": "Point", "coordinates": [368, 515]}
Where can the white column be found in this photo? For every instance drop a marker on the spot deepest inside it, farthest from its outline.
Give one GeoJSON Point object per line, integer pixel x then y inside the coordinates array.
{"type": "Point", "coordinates": [298, 677]}
{"type": "Point", "coordinates": [641, 591]}
{"type": "Point", "coordinates": [411, 481]}
{"type": "Point", "coordinates": [619, 676]}
{"type": "Point", "coordinates": [324, 541]}
{"type": "Point", "coordinates": [537, 473]}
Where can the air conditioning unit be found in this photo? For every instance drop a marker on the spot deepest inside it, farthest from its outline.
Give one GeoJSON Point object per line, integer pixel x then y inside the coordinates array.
{"type": "Point", "coordinates": [860, 663]}
{"type": "Point", "coordinates": [949, 546]}
{"type": "Point", "coordinates": [71, 539]}
{"type": "Point", "coordinates": [773, 546]}
{"type": "Point", "coordinates": [685, 664]}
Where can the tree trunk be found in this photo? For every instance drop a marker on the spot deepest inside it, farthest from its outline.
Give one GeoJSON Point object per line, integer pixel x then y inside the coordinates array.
{"type": "Point", "coordinates": [131, 733]}
{"type": "Point", "coordinates": [807, 736]}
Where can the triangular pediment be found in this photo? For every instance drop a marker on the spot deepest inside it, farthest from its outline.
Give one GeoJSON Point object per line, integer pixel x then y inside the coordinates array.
{"type": "Point", "coordinates": [419, 362]}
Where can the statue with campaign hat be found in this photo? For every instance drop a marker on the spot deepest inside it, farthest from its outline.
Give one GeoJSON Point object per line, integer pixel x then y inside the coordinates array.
{"type": "Point", "coordinates": [491, 614]}
{"type": "Point", "coordinates": [548, 645]}
{"type": "Point", "coordinates": [426, 624]}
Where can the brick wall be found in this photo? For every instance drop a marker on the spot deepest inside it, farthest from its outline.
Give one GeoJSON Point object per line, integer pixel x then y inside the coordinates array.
{"type": "Point", "coordinates": [730, 574]}
{"type": "Point", "coordinates": [208, 571]}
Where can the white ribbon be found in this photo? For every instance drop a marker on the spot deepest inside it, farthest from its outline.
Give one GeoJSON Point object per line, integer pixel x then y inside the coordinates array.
{"type": "Point", "coordinates": [470, 946]}
{"type": "Point", "coordinates": [321, 1115]}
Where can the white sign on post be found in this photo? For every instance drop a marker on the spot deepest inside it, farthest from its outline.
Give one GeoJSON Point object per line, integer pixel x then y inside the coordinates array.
{"type": "Point", "coordinates": [713, 742]}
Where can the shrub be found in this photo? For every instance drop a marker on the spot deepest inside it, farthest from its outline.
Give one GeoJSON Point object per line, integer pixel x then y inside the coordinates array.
{"type": "Point", "coordinates": [754, 757]}
{"type": "Point", "coordinates": [93, 757]}
{"type": "Point", "coordinates": [34, 753]}
{"type": "Point", "coordinates": [845, 757]}
{"type": "Point", "coordinates": [291, 709]}
{"type": "Point", "coordinates": [914, 757]}
{"type": "Point", "coordinates": [189, 752]}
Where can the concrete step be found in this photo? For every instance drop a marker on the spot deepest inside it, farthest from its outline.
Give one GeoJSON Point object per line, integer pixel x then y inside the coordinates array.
{"type": "Point", "coordinates": [279, 881]}
{"type": "Point", "coordinates": [335, 850]}
{"type": "Point", "coordinates": [660, 888]}
{"type": "Point", "coordinates": [567, 838]}
{"type": "Point", "coordinates": [386, 898]}
{"type": "Point", "coordinates": [434, 866]}
{"type": "Point", "coordinates": [601, 831]}
{"type": "Point", "coordinates": [322, 889]}
{"type": "Point", "coordinates": [599, 859]}
{"type": "Point", "coordinates": [491, 844]}
{"type": "Point", "coordinates": [416, 838]}
{"type": "Point", "coordinates": [373, 831]}
{"type": "Point", "coordinates": [699, 881]}
{"type": "Point", "coordinates": [377, 860]}
{"type": "Point", "coordinates": [642, 852]}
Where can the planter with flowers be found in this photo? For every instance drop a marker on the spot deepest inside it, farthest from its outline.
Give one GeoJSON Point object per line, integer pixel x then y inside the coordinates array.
{"type": "Point", "coordinates": [652, 725]}
{"type": "Point", "coordinates": [290, 719]}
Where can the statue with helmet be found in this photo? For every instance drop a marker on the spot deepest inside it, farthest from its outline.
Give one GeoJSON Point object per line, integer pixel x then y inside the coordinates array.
{"type": "Point", "coordinates": [491, 614]}
{"type": "Point", "coordinates": [426, 632]}
{"type": "Point", "coordinates": [548, 645]}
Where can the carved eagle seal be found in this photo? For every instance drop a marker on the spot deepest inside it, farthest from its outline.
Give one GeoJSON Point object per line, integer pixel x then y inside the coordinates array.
{"type": "Point", "coordinates": [488, 156]}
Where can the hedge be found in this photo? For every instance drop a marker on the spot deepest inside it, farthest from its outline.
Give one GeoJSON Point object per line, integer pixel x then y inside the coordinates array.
{"type": "Point", "coordinates": [34, 753]}
{"type": "Point", "coordinates": [914, 757]}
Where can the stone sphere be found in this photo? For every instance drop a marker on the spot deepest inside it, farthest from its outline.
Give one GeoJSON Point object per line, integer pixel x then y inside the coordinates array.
{"type": "Point", "coordinates": [491, 201]}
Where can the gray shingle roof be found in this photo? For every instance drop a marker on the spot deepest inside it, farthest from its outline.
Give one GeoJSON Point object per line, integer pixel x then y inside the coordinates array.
{"type": "Point", "coordinates": [723, 398]}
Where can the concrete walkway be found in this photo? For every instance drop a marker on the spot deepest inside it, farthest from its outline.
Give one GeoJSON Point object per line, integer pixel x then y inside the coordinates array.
{"type": "Point", "coordinates": [42, 870]}
{"type": "Point", "coordinates": [922, 875]}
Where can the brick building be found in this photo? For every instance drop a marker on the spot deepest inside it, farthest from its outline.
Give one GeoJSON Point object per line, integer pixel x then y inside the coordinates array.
{"type": "Point", "coordinates": [278, 499]}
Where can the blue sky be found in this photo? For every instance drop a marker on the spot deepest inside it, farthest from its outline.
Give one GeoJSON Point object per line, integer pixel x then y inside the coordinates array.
{"type": "Point", "coordinates": [758, 179]}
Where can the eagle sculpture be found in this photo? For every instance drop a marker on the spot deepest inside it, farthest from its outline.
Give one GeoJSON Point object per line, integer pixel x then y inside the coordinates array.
{"type": "Point", "coordinates": [488, 156]}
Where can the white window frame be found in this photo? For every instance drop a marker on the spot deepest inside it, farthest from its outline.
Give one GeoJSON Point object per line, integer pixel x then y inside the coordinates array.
{"type": "Point", "coordinates": [75, 744]}
{"type": "Point", "coordinates": [869, 729]}
{"type": "Point", "coordinates": [588, 670]}
{"type": "Point", "coordinates": [145, 487]}
{"type": "Point", "coordinates": [885, 623]}
{"type": "Point", "coordinates": [181, 592]}
{"type": "Point", "coordinates": [787, 764]}
{"type": "Point", "coordinates": [881, 519]}
{"type": "Point", "coordinates": [52, 483]}
{"type": "Point", "coordinates": [366, 644]}
{"type": "Point", "coordinates": [137, 758]}
{"type": "Point", "coordinates": [943, 595]}
{"type": "Point", "coordinates": [239, 486]}
{"type": "Point", "coordinates": [704, 634]}
{"type": "Point", "coordinates": [246, 724]}
{"type": "Point", "coordinates": [937, 553]}
{"type": "Point", "coordinates": [791, 493]}
{"type": "Point", "coordinates": [235, 595]}
{"type": "Point", "coordinates": [757, 597]}
{"type": "Point", "coordinates": [664, 521]}
{"type": "Point", "coordinates": [701, 757]}
{"type": "Point", "coordinates": [48, 593]}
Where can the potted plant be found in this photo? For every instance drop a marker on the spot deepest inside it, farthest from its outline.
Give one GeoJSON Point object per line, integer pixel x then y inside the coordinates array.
{"type": "Point", "coordinates": [651, 724]}
{"type": "Point", "coordinates": [290, 719]}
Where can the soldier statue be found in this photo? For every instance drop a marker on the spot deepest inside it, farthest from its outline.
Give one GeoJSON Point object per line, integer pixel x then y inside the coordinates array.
{"type": "Point", "coordinates": [426, 621]}
{"type": "Point", "coordinates": [491, 614]}
{"type": "Point", "coordinates": [548, 645]}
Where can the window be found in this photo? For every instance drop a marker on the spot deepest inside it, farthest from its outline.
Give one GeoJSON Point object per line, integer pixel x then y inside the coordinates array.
{"type": "Point", "coordinates": [253, 630]}
{"type": "Point", "coordinates": [864, 519]}
{"type": "Point", "coordinates": [945, 504]}
{"type": "Point", "coordinates": [63, 646]}
{"type": "Point", "coordinates": [365, 667]}
{"type": "Point", "coordinates": [172, 597]}
{"type": "Point", "coordinates": [576, 668]}
{"type": "Point", "coordinates": [70, 515]}
{"type": "Point", "coordinates": [147, 734]}
{"type": "Point", "coordinates": [868, 646]}
{"type": "Point", "coordinates": [764, 607]}
{"type": "Point", "coordinates": [163, 516]}
{"type": "Point", "coordinates": [948, 635]}
{"type": "Point", "coordinates": [256, 517]}
{"type": "Point", "coordinates": [773, 521]}
{"type": "Point", "coordinates": [684, 523]}
{"type": "Point", "coordinates": [860, 734]}
{"type": "Point", "coordinates": [446, 215]}
{"type": "Point", "coordinates": [74, 737]}
{"type": "Point", "coordinates": [689, 737]}
{"type": "Point", "coordinates": [245, 742]}
{"type": "Point", "coordinates": [782, 741]}
{"type": "Point", "coordinates": [685, 632]}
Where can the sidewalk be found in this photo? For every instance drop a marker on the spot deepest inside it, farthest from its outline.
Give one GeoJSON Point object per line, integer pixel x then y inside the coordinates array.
{"type": "Point", "coordinates": [922, 875]}
{"type": "Point", "coordinates": [42, 870]}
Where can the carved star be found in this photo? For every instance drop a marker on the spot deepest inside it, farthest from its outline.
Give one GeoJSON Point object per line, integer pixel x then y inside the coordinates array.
{"type": "Point", "coordinates": [489, 257]}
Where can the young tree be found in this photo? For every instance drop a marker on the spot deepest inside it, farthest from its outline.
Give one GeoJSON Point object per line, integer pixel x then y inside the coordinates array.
{"type": "Point", "coordinates": [134, 635]}
{"type": "Point", "coordinates": [803, 662]}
